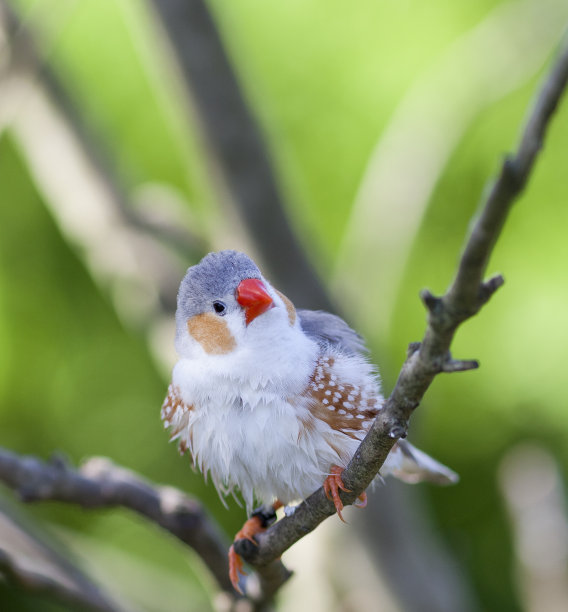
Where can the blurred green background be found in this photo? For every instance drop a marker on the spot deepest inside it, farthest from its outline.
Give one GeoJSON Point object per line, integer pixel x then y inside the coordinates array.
{"type": "Point", "coordinates": [385, 120]}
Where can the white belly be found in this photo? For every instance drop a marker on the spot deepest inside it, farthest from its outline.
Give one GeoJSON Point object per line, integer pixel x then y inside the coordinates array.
{"type": "Point", "coordinates": [246, 435]}
{"type": "Point", "coordinates": [266, 452]}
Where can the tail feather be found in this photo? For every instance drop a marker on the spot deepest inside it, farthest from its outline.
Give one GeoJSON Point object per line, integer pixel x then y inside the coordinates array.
{"type": "Point", "coordinates": [411, 465]}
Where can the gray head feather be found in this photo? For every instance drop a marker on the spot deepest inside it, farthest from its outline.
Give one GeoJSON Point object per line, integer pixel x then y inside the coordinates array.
{"type": "Point", "coordinates": [215, 277]}
{"type": "Point", "coordinates": [330, 329]}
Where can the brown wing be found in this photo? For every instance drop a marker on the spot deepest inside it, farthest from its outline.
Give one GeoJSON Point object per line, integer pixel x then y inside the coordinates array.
{"type": "Point", "coordinates": [175, 415]}
{"type": "Point", "coordinates": [344, 407]}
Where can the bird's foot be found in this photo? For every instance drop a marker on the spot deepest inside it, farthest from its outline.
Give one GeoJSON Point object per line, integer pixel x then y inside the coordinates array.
{"type": "Point", "coordinates": [251, 527]}
{"type": "Point", "coordinates": [257, 523]}
{"type": "Point", "coordinates": [333, 483]}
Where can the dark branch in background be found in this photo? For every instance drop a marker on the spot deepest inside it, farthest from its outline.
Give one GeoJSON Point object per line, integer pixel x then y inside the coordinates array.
{"type": "Point", "coordinates": [36, 561]}
{"type": "Point", "coordinates": [464, 298]}
{"type": "Point", "coordinates": [38, 583]}
{"type": "Point", "coordinates": [99, 483]}
{"type": "Point", "coordinates": [239, 147]}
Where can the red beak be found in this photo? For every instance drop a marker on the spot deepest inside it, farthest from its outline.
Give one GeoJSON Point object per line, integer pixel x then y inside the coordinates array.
{"type": "Point", "coordinates": [253, 297]}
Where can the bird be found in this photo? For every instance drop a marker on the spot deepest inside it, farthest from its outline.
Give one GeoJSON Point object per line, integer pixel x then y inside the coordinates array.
{"type": "Point", "coordinates": [271, 401]}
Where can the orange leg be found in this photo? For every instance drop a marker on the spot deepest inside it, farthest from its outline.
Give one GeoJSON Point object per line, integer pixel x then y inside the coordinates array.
{"type": "Point", "coordinates": [333, 483]}
{"type": "Point", "coordinates": [251, 527]}
{"type": "Point", "coordinates": [255, 524]}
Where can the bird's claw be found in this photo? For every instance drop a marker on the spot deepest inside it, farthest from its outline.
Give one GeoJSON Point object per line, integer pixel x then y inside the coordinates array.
{"type": "Point", "coordinates": [333, 483]}
{"type": "Point", "coordinates": [236, 567]}
{"type": "Point", "coordinates": [361, 501]}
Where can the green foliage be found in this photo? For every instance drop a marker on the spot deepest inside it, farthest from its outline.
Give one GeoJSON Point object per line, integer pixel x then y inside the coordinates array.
{"type": "Point", "coordinates": [325, 80]}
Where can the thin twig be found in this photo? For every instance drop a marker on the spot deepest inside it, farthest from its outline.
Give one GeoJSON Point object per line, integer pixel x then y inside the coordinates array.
{"type": "Point", "coordinates": [464, 298]}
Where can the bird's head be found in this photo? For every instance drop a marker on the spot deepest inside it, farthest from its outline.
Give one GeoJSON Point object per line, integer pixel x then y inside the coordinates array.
{"type": "Point", "coordinates": [224, 304]}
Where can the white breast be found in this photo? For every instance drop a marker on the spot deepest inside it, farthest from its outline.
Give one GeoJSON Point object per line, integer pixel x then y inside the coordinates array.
{"type": "Point", "coordinates": [244, 428]}
{"type": "Point", "coordinates": [256, 450]}
{"type": "Point", "coordinates": [255, 438]}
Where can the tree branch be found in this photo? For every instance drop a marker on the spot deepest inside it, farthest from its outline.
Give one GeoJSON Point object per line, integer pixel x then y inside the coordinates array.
{"type": "Point", "coordinates": [464, 298]}
{"type": "Point", "coordinates": [99, 483]}
{"type": "Point", "coordinates": [86, 600]}
{"type": "Point", "coordinates": [36, 561]}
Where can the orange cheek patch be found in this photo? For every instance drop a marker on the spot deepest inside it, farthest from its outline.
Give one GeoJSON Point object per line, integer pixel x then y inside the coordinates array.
{"type": "Point", "coordinates": [289, 307]}
{"type": "Point", "coordinates": [212, 333]}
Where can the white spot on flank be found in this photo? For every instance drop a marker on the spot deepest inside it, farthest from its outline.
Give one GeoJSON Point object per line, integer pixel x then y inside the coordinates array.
{"type": "Point", "coordinates": [328, 392]}
{"type": "Point", "coordinates": [324, 401]}
{"type": "Point", "coordinates": [360, 416]}
{"type": "Point", "coordinates": [341, 411]}
{"type": "Point", "coordinates": [348, 405]}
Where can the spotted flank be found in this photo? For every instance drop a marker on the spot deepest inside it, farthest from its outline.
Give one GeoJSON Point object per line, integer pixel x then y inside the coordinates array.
{"type": "Point", "coordinates": [175, 415]}
{"type": "Point", "coordinates": [349, 408]}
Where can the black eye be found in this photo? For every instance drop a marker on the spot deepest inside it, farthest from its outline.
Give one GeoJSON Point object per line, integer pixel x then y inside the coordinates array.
{"type": "Point", "coordinates": [219, 307]}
